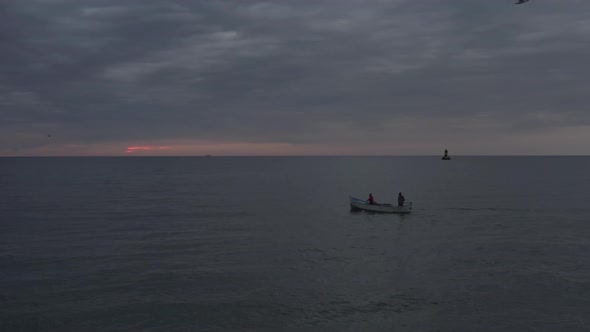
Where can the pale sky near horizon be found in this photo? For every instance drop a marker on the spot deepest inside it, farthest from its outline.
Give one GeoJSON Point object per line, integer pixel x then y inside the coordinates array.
{"type": "Point", "coordinates": [294, 77]}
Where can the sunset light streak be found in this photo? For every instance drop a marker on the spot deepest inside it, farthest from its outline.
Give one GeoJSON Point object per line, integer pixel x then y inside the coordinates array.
{"type": "Point", "coordinates": [133, 149]}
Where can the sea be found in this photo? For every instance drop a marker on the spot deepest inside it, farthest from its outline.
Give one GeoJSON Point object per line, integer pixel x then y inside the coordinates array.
{"type": "Point", "coordinates": [270, 244]}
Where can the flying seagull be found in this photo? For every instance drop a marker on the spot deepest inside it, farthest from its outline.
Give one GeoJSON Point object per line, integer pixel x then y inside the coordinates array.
{"type": "Point", "coordinates": [520, 2]}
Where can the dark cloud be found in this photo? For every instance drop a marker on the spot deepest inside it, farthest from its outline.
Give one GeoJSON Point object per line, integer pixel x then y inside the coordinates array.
{"type": "Point", "coordinates": [300, 72]}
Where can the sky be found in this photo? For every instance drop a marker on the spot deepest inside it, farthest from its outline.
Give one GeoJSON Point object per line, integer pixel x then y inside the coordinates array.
{"type": "Point", "coordinates": [294, 77]}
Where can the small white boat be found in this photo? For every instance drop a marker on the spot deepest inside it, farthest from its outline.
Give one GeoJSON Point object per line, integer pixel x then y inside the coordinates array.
{"type": "Point", "coordinates": [361, 204]}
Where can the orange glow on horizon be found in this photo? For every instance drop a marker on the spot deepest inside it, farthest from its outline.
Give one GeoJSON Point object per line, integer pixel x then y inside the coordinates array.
{"type": "Point", "coordinates": [133, 148]}
{"type": "Point", "coordinates": [185, 147]}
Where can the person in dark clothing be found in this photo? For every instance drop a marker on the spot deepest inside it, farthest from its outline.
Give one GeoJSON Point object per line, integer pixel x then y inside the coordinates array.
{"type": "Point", "coordinates": [400, 199]}
{"type": "Point", "coordinates": [371, 200]}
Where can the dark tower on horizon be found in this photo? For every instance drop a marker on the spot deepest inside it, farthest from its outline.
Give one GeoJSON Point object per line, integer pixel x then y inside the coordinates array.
{"type": "Point", "coordinates": [446, 156]}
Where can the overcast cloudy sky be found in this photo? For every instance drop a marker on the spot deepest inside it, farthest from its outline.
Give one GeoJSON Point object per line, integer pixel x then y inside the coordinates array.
{"type": "Point", "coordinates": [294, 77]}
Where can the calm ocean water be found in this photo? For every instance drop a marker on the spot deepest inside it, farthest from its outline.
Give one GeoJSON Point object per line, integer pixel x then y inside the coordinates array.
{"type": "Point", "coordinates": [269, 243]}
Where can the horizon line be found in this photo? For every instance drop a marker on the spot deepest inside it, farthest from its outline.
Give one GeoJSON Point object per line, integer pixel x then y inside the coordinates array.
{"type": "Point", "coordinates": [266, 156]}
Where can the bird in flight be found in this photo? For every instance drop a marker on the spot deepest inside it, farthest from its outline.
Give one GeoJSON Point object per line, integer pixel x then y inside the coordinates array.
{"type": "Point", "coordinates": [520, 2]}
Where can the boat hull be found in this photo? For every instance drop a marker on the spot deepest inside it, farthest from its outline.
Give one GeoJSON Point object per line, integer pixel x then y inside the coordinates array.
{"type": "Point", "coordinates": [359, 204]}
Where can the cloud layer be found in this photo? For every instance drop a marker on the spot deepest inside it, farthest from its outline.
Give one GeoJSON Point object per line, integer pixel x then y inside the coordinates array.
{"type": "Point", "coordinates": [294, 77]}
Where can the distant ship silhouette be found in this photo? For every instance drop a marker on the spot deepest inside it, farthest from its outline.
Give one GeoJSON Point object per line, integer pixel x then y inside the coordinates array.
{"type": "Point", "coordinates": [446, 156]}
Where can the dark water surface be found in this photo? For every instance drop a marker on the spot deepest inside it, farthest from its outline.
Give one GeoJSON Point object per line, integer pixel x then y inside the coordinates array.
{"type": "Point", "coordinates": [269, 243]}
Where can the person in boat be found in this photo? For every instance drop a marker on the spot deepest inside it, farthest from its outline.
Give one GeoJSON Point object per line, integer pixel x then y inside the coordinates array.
{"type": "Point", "coordinates": [400, 199]}
{"type": "Point", "coordinates": [371, 200]}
